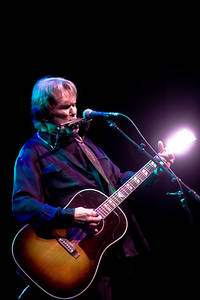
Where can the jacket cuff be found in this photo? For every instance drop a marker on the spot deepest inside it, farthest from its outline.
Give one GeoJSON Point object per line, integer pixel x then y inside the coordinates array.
{"type": "Point", "coordinates": [65, 216]}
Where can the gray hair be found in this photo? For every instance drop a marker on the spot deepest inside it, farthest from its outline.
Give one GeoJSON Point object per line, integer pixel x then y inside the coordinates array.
{"type": "Point", "coordinates": [43, 93]}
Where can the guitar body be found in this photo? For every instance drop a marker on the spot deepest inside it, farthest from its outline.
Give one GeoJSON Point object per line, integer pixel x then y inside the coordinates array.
{"type": "Point", "coordinates": [50, 264]}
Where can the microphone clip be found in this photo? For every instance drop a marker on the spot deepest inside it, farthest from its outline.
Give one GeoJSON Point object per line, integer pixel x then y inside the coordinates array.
{"type": "Point", "coordinates": [176, 194]}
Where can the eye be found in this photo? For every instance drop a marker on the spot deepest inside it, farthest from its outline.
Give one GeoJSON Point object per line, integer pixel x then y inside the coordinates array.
{"type": "Point", "coordinates": [65, 106]}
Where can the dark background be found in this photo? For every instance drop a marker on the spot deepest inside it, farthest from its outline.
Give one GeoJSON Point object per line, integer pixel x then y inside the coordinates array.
{"type": "Point", "coordinates": [152, 78]}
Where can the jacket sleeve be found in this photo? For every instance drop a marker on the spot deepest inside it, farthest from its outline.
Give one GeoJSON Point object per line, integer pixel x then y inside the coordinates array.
{"type": "Point", "coordinates": [28, 198]}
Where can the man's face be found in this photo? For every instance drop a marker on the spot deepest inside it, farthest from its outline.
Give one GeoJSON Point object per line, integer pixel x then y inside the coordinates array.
{"type": "Point", "coordinates": [64, 108]}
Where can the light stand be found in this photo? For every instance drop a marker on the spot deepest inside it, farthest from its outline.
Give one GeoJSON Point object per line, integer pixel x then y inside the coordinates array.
{"type": "Point", "coordinates": [180, 194]}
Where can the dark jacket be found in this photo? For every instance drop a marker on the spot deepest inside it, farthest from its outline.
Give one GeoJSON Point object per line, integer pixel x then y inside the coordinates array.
{"type": "Point", "coordinates": [46, 180]}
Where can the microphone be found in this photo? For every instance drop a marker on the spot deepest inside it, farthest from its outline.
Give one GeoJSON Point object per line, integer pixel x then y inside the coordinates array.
{"type": "Point", "coordinates": [89, 114]}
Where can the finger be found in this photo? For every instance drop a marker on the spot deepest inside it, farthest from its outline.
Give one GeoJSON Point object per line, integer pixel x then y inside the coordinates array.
{"type": "Point", "coordinates": [95, 216]}
{"type": "Point", "coordinates": [94, 229]}
{"type": "Point", "coordinates": [94, 219]}
{"type": "Point", "coordinates": [94, 224]}
{"type": "Point", "coordinates": [171, 156]}
{"type": "Point", "coordinates": [93, 213]}
{"type": "Point", "coordinates": [161, 147]}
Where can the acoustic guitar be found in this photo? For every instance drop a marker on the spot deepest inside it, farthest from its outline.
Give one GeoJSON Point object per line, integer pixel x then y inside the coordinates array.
{"type": "Point", "coordinates": [64, 263]}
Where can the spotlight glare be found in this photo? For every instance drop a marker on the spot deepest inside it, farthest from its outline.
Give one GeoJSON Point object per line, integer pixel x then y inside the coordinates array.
{"type": "Point", "coordinates": [181, 141]}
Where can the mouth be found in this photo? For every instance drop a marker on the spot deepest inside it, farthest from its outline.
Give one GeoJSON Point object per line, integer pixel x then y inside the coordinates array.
{"type": "Point", "coordinates": [72, 117]}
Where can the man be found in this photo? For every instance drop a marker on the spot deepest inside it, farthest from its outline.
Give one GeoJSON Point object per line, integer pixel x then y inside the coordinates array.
{"type": "Point", "coordinates": [53, 166]}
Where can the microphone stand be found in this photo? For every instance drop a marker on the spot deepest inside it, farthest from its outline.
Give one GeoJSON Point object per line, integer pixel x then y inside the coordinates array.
{"type": "Point", "coordinates": [181, 195]}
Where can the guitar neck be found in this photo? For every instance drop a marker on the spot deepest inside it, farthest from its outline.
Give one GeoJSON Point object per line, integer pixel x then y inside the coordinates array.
{"type": "Point", "coordinates": [125, 190]}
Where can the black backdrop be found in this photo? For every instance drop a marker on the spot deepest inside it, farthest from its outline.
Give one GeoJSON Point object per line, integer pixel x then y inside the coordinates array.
{"type": "Point", "coordinates": [157, 85]}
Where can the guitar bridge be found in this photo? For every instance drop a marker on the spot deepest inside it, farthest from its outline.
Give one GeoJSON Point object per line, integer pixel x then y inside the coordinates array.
{"type": "Point", "coordinates": [68, 246]}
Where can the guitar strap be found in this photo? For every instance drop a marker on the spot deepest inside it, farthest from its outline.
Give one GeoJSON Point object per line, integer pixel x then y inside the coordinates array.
{"type": "Point", "coordinates": [90, 155]}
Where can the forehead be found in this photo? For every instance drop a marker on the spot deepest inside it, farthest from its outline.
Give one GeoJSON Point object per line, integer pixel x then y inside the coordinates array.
{"type": "Point", "coordinates": [64, 96]}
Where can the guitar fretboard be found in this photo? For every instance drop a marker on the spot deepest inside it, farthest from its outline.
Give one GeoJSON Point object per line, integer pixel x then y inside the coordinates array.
{"type": "Point", "coordinates": [125, 190]}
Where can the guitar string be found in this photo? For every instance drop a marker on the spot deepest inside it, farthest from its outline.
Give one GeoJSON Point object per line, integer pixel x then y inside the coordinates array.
{"type": "Point", "coordinates": [78, 234]}
{"type": "Point", "coordinates": [148, 167]}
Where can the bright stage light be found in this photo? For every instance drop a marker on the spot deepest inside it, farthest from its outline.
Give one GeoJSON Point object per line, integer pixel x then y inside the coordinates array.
{"type": "Point", "coordinates": [180, 142]}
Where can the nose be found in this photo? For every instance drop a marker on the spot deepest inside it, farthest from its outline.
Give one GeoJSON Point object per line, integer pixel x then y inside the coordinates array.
{"type": "Point", "coordinates": [72, 110]}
